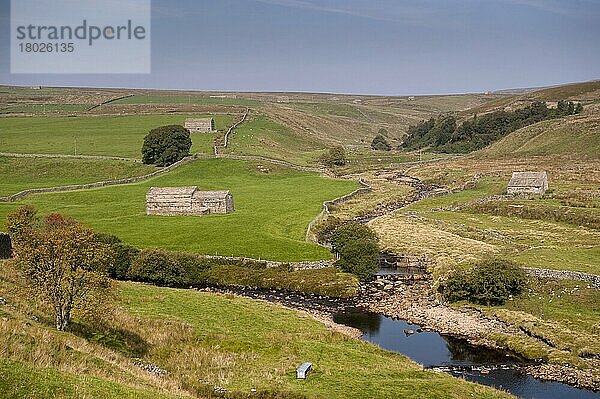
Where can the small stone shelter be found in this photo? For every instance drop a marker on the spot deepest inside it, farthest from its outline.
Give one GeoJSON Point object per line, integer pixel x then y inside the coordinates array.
{"type": "Point", "coordinates": [200, 124]}
{"type": "Point", "coordinates": [187, 201]}
{"type": "Point", "coordinates": [528, 183]}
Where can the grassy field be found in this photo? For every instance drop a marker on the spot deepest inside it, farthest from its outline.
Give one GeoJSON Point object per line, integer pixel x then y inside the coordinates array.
{"type": "Point", "coordinates": [43, 108]}
{"type": "Point", "coordinates": [24, 173]}
{"type": "Point", "coordinates": [202, 340]}
{"type": "Point", "coordinates": [21, 380]}
{"type": "Point", "coordinates": [257, 345]}
{"type": "Point", "coordinates": [98, 135]}
{"type": "Point", "coordinates": [261, 136]}
{"type": "Point", "coordinates": [564, 315]}
{"type": "Point", "coordinates": [272, 210]}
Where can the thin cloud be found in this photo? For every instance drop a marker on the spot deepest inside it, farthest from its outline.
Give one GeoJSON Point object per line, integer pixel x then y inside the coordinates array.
{"type": "Point", "coordinates": [568, 9]}
{"type": "Point", "coordinates": [395, 12]}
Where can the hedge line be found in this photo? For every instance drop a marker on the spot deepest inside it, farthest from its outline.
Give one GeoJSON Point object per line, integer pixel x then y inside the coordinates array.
{"type": "Point", "coordinates": [182, 270]}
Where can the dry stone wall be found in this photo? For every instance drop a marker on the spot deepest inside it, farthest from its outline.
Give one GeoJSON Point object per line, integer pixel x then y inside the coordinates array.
{"type": "Point", "coordinates": [593, 279]}
{"type": "Point", "coordinates": [325, 211]}
{"type": "Point", "coordinates": [24, 193]}
{"type": "Point", "coordinates": [306, 265]}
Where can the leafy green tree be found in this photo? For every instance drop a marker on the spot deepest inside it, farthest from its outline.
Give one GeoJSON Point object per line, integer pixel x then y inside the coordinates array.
{"type": "Point", "coordinates": [380, 143]}
{"type": "Point", "coordinates": [62, 262]}
{"type": "Point", "coordinates": [166, 145]}
{"type": "Point", "coordinates": [578, 108]}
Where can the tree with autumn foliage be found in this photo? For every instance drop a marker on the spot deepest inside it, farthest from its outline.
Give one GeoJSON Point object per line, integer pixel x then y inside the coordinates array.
{"type": "Point", "coordinates": [62, 261]}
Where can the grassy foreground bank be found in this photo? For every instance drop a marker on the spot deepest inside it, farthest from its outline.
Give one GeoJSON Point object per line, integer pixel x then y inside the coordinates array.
{"type": "Point", "coordinates": [201, 340]}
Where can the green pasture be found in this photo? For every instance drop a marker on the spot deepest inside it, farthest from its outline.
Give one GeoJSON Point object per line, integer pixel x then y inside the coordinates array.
{"type": "Point", "coordinates": [258, 345]}
{"type": "Point", "coordinates": [94, 135]}
{"type": "Point", "coordinates": [43, 108]}
{"type": "Point", "coordinates": [21, 380]}
{"type": "Point", "coordinates": [20, 174]}
{"type": "Point", "coordinates": [272, 210]}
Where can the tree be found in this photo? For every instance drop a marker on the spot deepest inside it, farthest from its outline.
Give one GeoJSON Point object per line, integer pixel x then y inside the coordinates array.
{"type": "Point", "coordinates": [335, 156]}
{"type": "Point", "coordinates": [166, 145]}
{"type": "Point", "coordinates": [359, 257]}
{"type": "Point", "coordinates": [578, 108]}
{"type": "Point", "coordinates": [357, 249]}
{"type": "Point", "coordinates": [380, 143]}
{"type": "Point", "coordinates": [62, 261]}
{"type": "Point", "coordinates": [349, 232]}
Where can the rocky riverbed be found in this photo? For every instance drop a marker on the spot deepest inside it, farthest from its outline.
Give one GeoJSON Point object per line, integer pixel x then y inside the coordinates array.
{"type": "Point", "coordinates": [412, 298]}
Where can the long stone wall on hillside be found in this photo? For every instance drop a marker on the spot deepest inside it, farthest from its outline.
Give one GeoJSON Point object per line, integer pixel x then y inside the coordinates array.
{"type": "Point", "coordinates": [99, 157]}
{"type": "Point", "coordinates": [593, 279]}
{"type": "Point", "coordinates": [234, 126]}
{"type": "Point", "coordinates": [109, 101]}
{"type": "Point", "coordinates": [273, 161]}
{"type": "Point", "coordinates": [24, 193]}
{"type": "Point", "coordinates": [325, 211]}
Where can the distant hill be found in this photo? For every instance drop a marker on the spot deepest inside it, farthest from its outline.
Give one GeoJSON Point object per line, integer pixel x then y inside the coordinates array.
{"type": "Point", "coordinates": [574, 136]}
{"type": "Point", "coordinates": [586, 92]}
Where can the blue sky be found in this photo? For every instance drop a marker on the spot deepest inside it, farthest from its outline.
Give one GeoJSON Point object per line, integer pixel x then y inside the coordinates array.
{"type": "Point", "coordinates": [390, 47]}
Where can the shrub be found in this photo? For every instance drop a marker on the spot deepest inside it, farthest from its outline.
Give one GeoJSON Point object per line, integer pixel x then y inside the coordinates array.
{"type": "Point", "coordinates": [107, 238]}
{"type": "Point", "coordinates": [171, 269]}
{"type": "Point", "coordinates": [357, 249]}
{"type": "Point", "coordinates": [325, 229]}
{"type": "Point", "coordinates": [335, 156]}
{"type": "Point", "coordinates": [122, 255]}
{"type": "Point", "coordinates": [489, 282]}
{"type": "Point", "coordinates": [359, 257]}
{"type": "Point", "coordinates": [380, 143]}
{"type": "Point", "coordinates": [179, 269]}
{"type": "Point", "coordinates": [5, 246]}
{"type": "Point", "coordinates": [166, 145]}
{"type": "Point", "coordinates": [349, 232]}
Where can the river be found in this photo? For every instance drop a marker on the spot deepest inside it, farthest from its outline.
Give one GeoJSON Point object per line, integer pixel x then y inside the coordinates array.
{"type": "Point", "coordinates": [457, 357]}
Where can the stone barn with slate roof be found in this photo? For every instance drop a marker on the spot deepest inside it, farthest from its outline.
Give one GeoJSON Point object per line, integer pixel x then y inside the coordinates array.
{"type": "Point", "coordinates": [200, 124]}
{"type": "Point", "coordinates": [187, 201]}
{"type": "Point", "coordinates": [528, 183]}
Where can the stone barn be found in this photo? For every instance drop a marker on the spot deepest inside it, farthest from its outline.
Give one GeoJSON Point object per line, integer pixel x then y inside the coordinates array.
{"type": "Point", "coordinates": [187, 201]}
{"type": "Point", "coordinates": [200, 124]}
{"type": "Point", "coordinates": [528, 183]}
